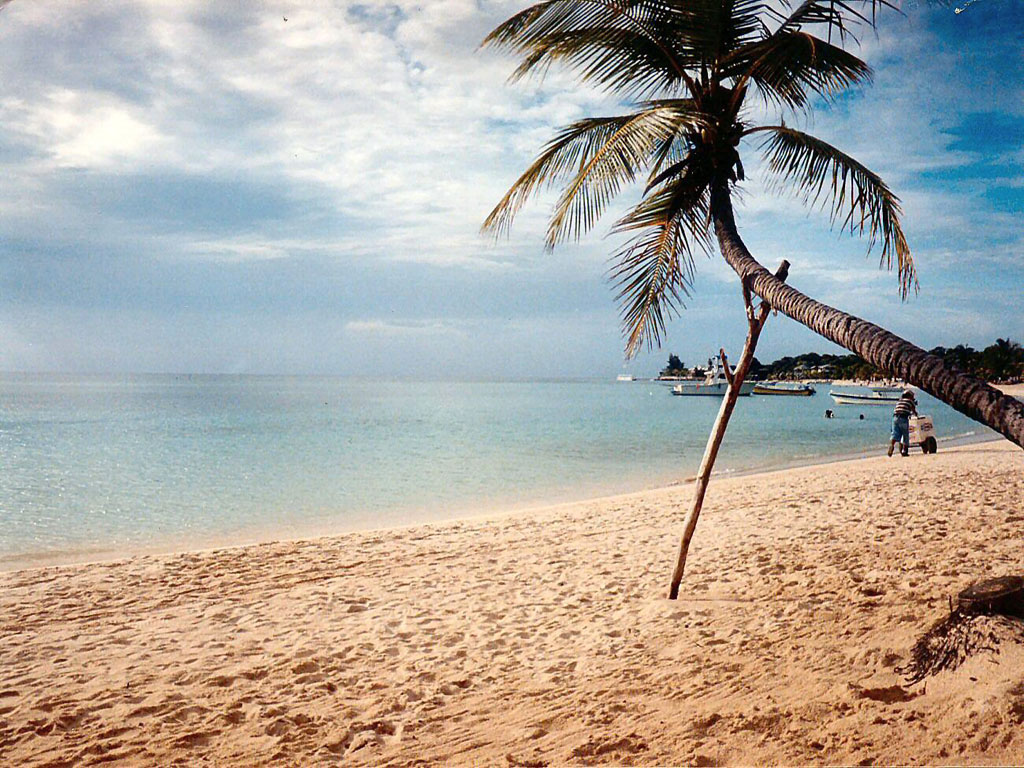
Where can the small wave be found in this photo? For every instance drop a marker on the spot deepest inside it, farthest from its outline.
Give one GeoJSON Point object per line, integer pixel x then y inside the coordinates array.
{"type": "Point", "coordinates": [959, 436]}
{"type": "Point", "coordinates": [53, 556]}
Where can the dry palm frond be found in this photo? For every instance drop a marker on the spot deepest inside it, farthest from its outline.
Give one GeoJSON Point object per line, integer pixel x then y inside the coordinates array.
{"type": "Point", "coordinates": [867, 206]}
{"type": "Point", "coordinates": [618, 60]}
{"type": "Point", "coordinates": [835, 14]}
{"type": "Point", "coordinates": [954, 639]}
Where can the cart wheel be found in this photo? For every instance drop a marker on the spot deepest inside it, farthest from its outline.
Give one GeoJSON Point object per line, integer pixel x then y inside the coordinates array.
{"type": "Point", "coordinates": [930, 446]}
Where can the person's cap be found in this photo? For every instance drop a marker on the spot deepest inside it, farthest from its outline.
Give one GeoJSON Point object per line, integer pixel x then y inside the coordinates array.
{"type": "Point", "coordinates": [908, 393]}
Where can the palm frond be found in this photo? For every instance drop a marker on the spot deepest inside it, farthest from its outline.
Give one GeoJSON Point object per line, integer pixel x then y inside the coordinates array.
{"type": "Point", "coordinates": [595, 156]}
{"type": "Point", "coordinates": [600, 37]}
{"type": "Point", "coordinates": [860, 202]}
{"type": "Point", "coordinates": [832, 13]}
{"type": "Point", "coordinates": [633, 48]}
{"type": "Point", "coordinates": [617, 60]}
{"type": "Point", "coordinates": [653, 272]}
{"type": "Point", "coordinates": [718, 27]}
{"type": "Point", "coordinates": [788, 65]}
{"type": "Point", "coordinates": [559, 157]}
{"type": "Point", "coordinates": [838, 16]}
{"type": "Point", "coordinates": [668, 152]}
{"type": "Point", "coordinates": [677, 168]}
{"type": "Point", "coordinates": [618, 160]}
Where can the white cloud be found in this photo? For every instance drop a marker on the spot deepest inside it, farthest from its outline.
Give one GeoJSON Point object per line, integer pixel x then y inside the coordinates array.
{"type": "Point", "coordinates": [388, 136]}
{"type": "Point", "coordinates": [241, 249]}
{"type": "Point", "coordinates": [79, 129]}
{"type": "Point", "coordinates": [414, 328]}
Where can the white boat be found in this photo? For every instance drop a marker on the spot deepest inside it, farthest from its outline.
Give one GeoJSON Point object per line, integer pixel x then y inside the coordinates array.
{"type": "Point", "coordinates": [624, 377]}
{"type": "Point", "coordinates": [714, 385]}
{"type": "Point", "coordinates": [775, 388]}
{"type": "Point", "coordinates": [875, 397]}
{"type": "Point", "coordinates": [889, 391]}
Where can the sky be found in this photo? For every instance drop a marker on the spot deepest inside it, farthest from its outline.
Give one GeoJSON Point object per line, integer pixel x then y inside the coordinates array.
{"type": "Point", "coordinates": [247, 187]}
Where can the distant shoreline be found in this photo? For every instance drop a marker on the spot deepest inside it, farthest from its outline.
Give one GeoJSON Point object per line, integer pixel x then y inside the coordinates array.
{"type": "Point", "coordinates": [1016, 390]}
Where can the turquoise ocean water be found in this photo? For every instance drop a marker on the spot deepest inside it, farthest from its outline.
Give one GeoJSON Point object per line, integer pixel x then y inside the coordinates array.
{"type": "Point", "coordinates": [92, 466]}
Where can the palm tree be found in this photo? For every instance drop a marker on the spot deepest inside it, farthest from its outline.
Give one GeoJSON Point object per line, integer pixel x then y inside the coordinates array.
{"type": "Point", "coordinates": [689, 67]}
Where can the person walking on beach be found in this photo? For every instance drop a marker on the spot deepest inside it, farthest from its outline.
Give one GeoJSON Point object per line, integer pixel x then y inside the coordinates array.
{"type": "Point", "coordinates": [906, 406]}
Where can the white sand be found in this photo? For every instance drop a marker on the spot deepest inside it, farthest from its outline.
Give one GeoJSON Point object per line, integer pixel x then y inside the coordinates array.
{"type": "Point", "coordinates": [543, 638]}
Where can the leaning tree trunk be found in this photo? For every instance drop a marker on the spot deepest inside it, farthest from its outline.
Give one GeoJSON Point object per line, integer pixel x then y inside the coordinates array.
{"type": "Point", "coordinates": [755, 322]}
{"type": "Point", "coordinates": [876, 345]}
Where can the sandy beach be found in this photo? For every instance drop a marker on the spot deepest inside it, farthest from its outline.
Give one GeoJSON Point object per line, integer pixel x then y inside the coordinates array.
{"type": "Point", "coordinates": [543, 638]}
{"type": "Point", "coordinates": [1017, 390]}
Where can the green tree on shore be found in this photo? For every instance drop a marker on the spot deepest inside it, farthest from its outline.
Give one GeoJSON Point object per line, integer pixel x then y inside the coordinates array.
{"type": "Point", "coordinates": [675, 367]}
{"type": "Point", "coordinates": [1002, 361]}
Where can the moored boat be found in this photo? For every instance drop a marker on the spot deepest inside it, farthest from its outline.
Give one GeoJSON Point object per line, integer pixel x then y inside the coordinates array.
{"type": "Point", "coordinates": [715, 383]}
{"type": "Point", "coordinates": [887, 391]}
{"type": "Point", "coordinates": [864, 398]}
{"type": "Point", "coordinates": [774, 388]}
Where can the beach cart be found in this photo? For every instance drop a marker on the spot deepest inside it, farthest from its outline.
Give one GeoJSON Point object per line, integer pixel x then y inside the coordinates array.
{"type": "Point", "coordinates": [922, 433]}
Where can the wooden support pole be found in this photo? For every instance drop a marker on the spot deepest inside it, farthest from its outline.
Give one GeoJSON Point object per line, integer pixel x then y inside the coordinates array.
{"type": "Point", "coordinates": [725, 365]}
{"type": "Point", "coordinates": [755, 324]}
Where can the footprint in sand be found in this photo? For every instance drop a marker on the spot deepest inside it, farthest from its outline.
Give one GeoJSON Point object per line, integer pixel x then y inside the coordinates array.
{"type": "Point", "coordinates": [306, 667]}
{"type": "Point", "coordinates": [625, 745]}
{"type": "Point", "coordinates": [455, 686]}
{"type": "Point", "coordinates": [195, 739]}
{"type": "Point", "coordinates": [370, 734]}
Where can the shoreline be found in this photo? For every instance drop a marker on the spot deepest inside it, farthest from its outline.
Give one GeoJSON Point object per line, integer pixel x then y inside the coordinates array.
{"type": "Point", "coordinates": [544, 638]}
{"type": "Point", "coordinates": [159, 518]}
{"type": "Point", "coordinates": [15, 563]}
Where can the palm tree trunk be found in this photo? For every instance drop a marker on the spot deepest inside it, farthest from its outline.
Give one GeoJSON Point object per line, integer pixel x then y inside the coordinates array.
{"type": "Point", "coordinates": [755, 323]}
{"type": "Point", "coordinates": [876, 345]}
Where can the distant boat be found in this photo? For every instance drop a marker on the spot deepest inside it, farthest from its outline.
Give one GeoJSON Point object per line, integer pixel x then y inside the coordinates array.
{"type": "Point", "coordinates": [889, 391]}
{"type": "Point", "coordinates": [715, 383]}
{"type": "Point", "coordinates": [624, 377]}
{"type": "Point", "coordinates": [875, 397]}
{"type": "Point", "coordinates": [774, 388]}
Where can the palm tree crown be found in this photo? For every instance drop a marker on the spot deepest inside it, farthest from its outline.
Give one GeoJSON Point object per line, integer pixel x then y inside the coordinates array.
{"type": "Point", "coordinates": [689, 66]}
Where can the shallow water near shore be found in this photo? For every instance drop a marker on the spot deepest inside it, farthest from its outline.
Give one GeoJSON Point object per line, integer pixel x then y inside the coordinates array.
{"type": "Point", "coordinates": [98, 464]}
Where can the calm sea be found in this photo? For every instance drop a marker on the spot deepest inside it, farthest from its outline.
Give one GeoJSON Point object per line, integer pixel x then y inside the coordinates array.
{"type": "Point", "coordinates": [92, 466]}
